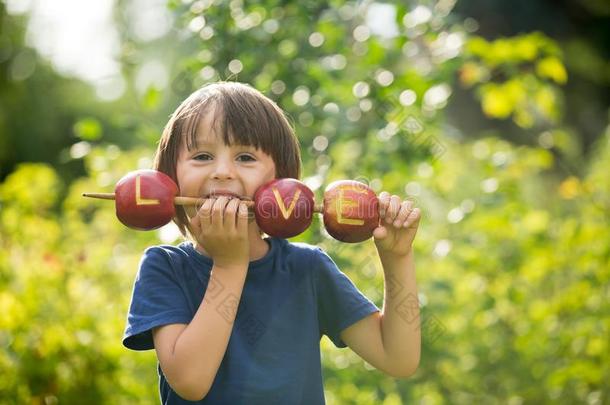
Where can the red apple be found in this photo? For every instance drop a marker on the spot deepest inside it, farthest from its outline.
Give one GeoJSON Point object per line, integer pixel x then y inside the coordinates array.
{"type": "Point", "coordinates": [145, 199]}
{"type": "Point", "coordinates": [283, 207]}
{"type": "Point", "coordinates": [351, 211]}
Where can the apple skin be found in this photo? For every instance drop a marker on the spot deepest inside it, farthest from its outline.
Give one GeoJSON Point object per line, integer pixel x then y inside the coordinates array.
{"type": "Point", "coordinates": [152, 207]}
{"type": "Point", "coordinates": [279, 212]}
{"type": "Point", "coordinates": [351, 211]}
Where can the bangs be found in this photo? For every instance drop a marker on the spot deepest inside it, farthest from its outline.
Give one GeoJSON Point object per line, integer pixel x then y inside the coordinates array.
{"type": "Point", "coordinates": [239, 119]}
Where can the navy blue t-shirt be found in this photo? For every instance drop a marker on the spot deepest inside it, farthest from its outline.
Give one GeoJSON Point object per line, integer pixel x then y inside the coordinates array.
{"type": "Point", "coordinates": [291, 297]}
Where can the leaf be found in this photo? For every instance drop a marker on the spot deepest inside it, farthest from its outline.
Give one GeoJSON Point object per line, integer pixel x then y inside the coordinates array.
{"type": "Point", "coordinates": [553, 69]}
{"type": "Point", "coordinates": [495, 102]}
{"type": "Point", "coordinates": [88, 129]}
{"type": "Point", "coordinates": [151, 98]}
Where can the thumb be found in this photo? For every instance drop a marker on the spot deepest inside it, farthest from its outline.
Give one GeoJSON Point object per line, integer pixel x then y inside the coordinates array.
{"type": "Point", "coordinates": [380, 232]}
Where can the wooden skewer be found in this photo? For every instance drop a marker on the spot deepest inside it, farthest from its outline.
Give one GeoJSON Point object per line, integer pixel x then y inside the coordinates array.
{"type": "Point", "coordinates": [186, 200]}
{"type": "Point", "coordinates": [102, 196]}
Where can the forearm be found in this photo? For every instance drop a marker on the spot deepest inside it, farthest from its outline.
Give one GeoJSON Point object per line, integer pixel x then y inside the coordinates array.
{"type": "Point", "coordinates": [400, 321]}
{"type": "Point", "coordinates": [200, 347]}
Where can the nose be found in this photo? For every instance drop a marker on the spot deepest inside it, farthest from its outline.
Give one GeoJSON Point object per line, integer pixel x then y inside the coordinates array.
{"type": "Point", "coordinates": [224, 169]}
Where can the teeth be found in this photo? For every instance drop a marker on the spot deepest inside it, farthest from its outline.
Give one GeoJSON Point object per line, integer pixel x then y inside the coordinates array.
{"type": "Point", "coordinates": [221, 195]}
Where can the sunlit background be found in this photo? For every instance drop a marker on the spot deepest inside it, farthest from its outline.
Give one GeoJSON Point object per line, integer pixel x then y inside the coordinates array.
{"type": "Point", "coordinates": [491, 115]}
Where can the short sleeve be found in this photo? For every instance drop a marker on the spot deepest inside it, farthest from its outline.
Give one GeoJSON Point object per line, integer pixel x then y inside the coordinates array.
{"type": "Point", "coordinates": [157, 300]}
{"type": "Point", "coordinates": [340, 303]}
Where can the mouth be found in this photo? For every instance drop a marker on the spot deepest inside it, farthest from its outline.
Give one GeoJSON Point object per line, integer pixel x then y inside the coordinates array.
{"type": "Point", "coordinates": [225, 193]}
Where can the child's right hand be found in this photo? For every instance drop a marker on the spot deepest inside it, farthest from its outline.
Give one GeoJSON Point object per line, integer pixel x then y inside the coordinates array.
{"type": "Point", "coordinates": [221, 228]}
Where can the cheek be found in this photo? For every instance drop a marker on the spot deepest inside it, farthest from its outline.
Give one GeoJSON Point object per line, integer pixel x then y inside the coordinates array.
{"type": "Point", "coordinates": [189, 188]}
{"type": "Point", "coordinates": [267, 176]}
{"type": "Point", "coordinates": [270, 175]}
{"type": "Point", "coordinates": [272, 171]}
{"type": "Point", "coordinates": [179, 173]}
{"type": "Point", "coordinates": [183, 179]}
{"type": "Point", "coordinates": [182, 168]}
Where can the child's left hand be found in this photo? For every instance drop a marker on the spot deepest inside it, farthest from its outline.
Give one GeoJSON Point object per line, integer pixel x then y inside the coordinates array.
{"type": "Point", "coordinates": [398, 225]}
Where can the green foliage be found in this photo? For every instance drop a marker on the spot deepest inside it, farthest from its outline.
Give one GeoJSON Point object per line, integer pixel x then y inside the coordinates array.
{"type": "Point", "coordinates": [513, 269]}
{"type": "Point", "coordinates": [512, 255]}
{"type": "Point", "coordinates": [516, 77]}
{"type": "Point", "coordinates": [88, 129]}
{"type": "Point", "coordinates": [64, 295]}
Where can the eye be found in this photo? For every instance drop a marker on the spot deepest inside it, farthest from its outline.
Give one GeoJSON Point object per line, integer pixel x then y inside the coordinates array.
{"type": "Point", "coordinates": [246, 158]}
{"type": "Point", "coordinates": [203, 156]}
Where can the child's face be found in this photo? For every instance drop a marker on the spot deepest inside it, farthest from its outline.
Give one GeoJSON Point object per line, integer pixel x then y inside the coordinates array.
{"type": "Point", "coordinates": [213, 168]}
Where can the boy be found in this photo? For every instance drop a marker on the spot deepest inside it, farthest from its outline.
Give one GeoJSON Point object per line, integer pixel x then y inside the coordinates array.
{"type": "Point", "coordinates": [236, 317]}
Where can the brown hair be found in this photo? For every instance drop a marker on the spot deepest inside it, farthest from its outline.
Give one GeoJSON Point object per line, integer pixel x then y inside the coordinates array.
{"type": "Point", "coordinates": [245, 117]}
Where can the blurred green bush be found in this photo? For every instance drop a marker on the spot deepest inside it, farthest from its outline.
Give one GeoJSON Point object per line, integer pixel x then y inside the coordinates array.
{"type": "Point", "coordinates": [513, 254]}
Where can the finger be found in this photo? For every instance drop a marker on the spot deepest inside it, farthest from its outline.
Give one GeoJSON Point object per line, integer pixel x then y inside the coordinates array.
{"type": "Point", "coordinates": [242, 219]}
{"type": "Point", "coordinates": [204, 213]}
{"type": "Point", "coordinates": [413, 218]}
{"type": "Point", "coordinates": [195, 224]}
{"type": "Point", "coordinates": [218, 212]}
{"type": "Point", "coordinates": [384, 200]}
{"type": "Point", "coordinates": [393, 209]}
{"type": "Point", "coordinates": [199, 204]}
{"type": "Point", "coordinates": [230, 217]}
{"type": "Point", "coordinates": [380, 232]}
{"type": "Point", "coordinates": [405, 209]}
